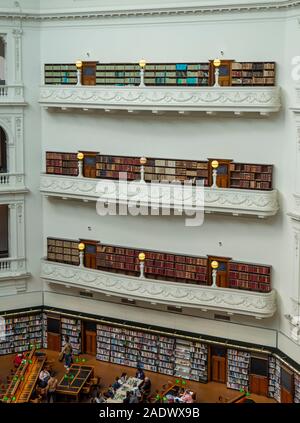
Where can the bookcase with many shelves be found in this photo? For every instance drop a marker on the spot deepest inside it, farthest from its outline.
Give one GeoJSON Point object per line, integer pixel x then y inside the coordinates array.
{"type": "Point", "coordinates": [72, 329]}
{"type": "Point", "coordinates": [240, 175]}
{"type": "Point", "coordinates": [183, 358]}
{"type": "Point", "coordinates": [274, 378]}
{"type": "Point", "coordinates": [60, 163]}
{"type": "Point", "coordinates": [253, 73]}
{"type": "Point", "coordinates": [44, 329]}
{"type": "Point", "coordinates": [250, 277]}
{"type": "Point", "coordinates": [103, 342]}
{"type": "Point", "coordinates": [63, 251]}
{"type": "Point", "coordinates": [60, 74]}
{"type": "Point", "coordinates": [7, 341]}
{"type": "Point", "coordinates": [199, 362]}
{"type": "Point", "coordinates": [238, 363]}
{"type": "Point", "coordinates": [163, 74]}
{"type": "Point", "coordinates": [251, 176]}
{"type": "Point", "coordinates": [297, 388]}
{"type": "Point", "coordinates": [166, 355]}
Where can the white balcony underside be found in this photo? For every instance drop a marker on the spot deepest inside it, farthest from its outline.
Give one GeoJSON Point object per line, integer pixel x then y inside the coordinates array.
{"type": "Point", "coordinates": [216, 200]}
{"type": "Point", "coordinates": [238, 100]}
{"type": "Point", "coordinates": [256, 304]}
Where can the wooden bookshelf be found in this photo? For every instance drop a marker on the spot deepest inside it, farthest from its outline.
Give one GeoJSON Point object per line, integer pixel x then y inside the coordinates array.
{"type": "Point", "coordinates": [229, 174]}
{"type": "Point", "coordinates": [163, 266]}
{"type": "Point", "coordinates": [63, 251]}
{"type": "Point", "coordinates": [60, 74]}
{"type": "Point", "coordinates": [251, 176]}
{"type": "Point", "coordinates": [61, 163]}
{"type": "Point", "coordinates": [253, 73]}
{"type": "Point", "coordinates": [238, 363]}
{"type": "Point", "coordinates": [251, 277]}
{"type": "Point", "coordinates": [163, 74]}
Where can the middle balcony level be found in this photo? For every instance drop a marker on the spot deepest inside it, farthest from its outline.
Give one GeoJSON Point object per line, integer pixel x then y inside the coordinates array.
{"type": "Point", "coordinates": [205, 283]}
{"type": "Point", "coordinates": [212, 186]}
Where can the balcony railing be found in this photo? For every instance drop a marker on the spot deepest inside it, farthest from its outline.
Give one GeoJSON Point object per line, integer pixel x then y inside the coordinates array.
{"type": "Point", "coordinates": [12, 182]}
{"type": "Point", "coordinates": [12, 267]}
{"type": "Point", "coordinates": [12, 95]}
{"type": "Point", "coordinates": [231, 301]}
{"type": "Point", "coordinates": [216, 200]}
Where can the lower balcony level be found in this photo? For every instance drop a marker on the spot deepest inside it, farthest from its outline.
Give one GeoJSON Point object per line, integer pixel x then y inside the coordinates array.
{"type": "Point", "coordinates": [228, 300]}
{"type": "Point", "coordinates": [214, 200]}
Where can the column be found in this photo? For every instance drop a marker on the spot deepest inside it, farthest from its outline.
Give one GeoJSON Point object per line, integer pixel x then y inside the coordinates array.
{"type": "Point", "coordinates": [17, 33]}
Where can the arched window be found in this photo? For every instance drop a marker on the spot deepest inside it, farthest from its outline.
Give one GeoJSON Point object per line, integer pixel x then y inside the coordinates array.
{"type": "Point", "coordinates": [2, 61]}
{"type": "Point", "coordinates": [3, 154]}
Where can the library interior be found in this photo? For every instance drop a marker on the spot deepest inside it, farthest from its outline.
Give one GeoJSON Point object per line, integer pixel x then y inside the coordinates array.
{"type": "Point", "coordinates": [149, 201]}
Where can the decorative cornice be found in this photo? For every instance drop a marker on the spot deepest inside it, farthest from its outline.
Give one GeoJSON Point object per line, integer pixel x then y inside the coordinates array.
{"type": "Point", "coordinates": [250, 303]}
{"type": "Point", "coordinates": [180, 99]}
{"type": "Point", "coordinates": [221, 200]}
{"type": "Point", "coordinates": [126, 12]}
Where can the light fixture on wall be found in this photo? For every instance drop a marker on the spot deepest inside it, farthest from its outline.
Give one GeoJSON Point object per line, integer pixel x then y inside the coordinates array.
{"type": "Point", "coordinates": [142, 258]}
{"type": "Point", "coordinates": [79, 70]}
{"type": "Point", "coordinates": [142, 64]}
{"type": "Point", "coordinates": [214, 165]}
{"type": "Point", "coordinates": [81, 248]}
{"type": "Point", "coordinates": [214, 265]}
{"type": "Point", "coordinates": [217, 64]}
{"type": "Point", "coordinates": [143, 161]}
{"type": "Point", "coordinates": [80, 157]}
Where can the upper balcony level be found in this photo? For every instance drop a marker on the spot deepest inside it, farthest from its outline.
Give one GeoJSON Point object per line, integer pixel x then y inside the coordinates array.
{"type": "Point", "coordinates": [207, 283]}
{"type": "Point", "coordinates": [12, 95]}
{"type": "Point", "coordinates": [209, 87]}
{"type": "Point", "coordinates": [216, 186]}
{"type": "Point", "coordinates": [12, 183]}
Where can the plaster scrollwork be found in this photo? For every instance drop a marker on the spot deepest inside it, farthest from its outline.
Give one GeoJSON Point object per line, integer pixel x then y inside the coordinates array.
{"type": "Point", "coordinates": [262, 203]}
{"type": "Point", "coordinates": [196, 99]}
{"type": "Point", "coordinates": [229, 300]}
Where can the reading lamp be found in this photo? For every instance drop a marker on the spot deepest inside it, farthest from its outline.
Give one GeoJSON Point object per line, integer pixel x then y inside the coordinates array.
{"type": "Point", "coordinates": [143, 161]}
{"type": "Point", "coordinates": [79, 68]}
{"type": "Point", "coordinates": [142, 257]}
{"type": "Point", "coordinates": [81, 248]}
{"type": "Point", "coordinates": [142, 64]}
{"type": "Point", "coordinates": [217, 64]}
{"type": "Point", "coordinates": [80, 157]}
{"type": "Point", "coordinates": [214, 265]}
{"type": "Point", "coordinates": [214, 165]}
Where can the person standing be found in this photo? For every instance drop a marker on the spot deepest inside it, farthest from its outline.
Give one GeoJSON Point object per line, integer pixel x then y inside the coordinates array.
{"type": "Point", "coordinates": [51, 388]}
{"type": "Point", "coordinates": [67, 351]}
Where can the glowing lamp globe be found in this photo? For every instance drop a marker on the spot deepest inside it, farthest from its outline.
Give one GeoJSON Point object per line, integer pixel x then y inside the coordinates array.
{"type": "Point", "coordinates": [81, 246]}
{"type": "Point", "coordinates": [143, 160]}
{"type": "Point", "coordinates": [142, 257]}
{"type": "Point", "coordinates": [78, 64]}
{"type": "Point", "coordinates": [80, 156]}
{"type": "Point", "coordinates": [217, 63]}
{"type": "Point", "coordinates": [142, 63]}
{"type": "Point", "coordinates": [214, 264]}
{"type": "Point", "coordinates": [215, 164]}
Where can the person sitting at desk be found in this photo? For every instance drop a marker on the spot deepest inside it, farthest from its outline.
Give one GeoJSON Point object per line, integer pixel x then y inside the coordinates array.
{"type": "Point", "coordinates": [100, 398]}
{"type": "Point", "coordinates": [18, 360]}
{"type": "Point", "coordinates": [187, 397]}
{"type": "Point", "coordinates": [123, 378]}
{"type": "Point", "coordinates": [116, 385]}
{"type": "Point", "coordinates": [126, 400]}
{"type": "Point", "coordinates": [145, 387]}
{"type": "Point", "coordinates": [110, 392]}
{"type": "Point", "coordinates": [140, 373]}
{"type": "Point", "coordinates": [44, 377]}
{"type": "Point", "coordinates": [135, 396]}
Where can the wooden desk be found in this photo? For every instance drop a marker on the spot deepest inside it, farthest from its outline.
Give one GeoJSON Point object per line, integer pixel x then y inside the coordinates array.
{"type": "Point", "coordinates": [25, 378]}
{"type": "Point", "coordinates": [73, 387]}
{"type": "Point", "coordinates": [121, 393]}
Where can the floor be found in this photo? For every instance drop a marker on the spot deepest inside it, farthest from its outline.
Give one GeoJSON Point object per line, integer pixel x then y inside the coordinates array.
{"type": "Point", "coordinates": [205, 392]}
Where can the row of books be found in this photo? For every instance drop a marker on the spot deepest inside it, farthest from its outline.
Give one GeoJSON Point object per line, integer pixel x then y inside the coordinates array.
{"type": "Point", "coordinates": [157, 353]}
{"type": "Point", "coordinates": [274, 379]}
{"type": "Point", "coordinates": [247, 176]}
{"type": "Point", "coordinates": [159, 74]}
{"type": "Point", "coordinates": [62, 251]}
{"type": "Point", "coordinates": [21, 333]}
{"type": "Point", "coordinates": [239, 377]}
